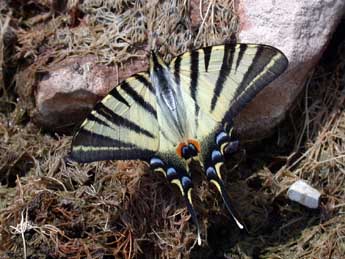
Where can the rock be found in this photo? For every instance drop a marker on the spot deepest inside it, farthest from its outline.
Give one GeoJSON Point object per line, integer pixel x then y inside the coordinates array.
{"type": "Point", "coordinates": [304, 194]}
{"type": "Point", "coordinates": [70, 90]}
{"type": "Point", "coordinates": [301, 29]}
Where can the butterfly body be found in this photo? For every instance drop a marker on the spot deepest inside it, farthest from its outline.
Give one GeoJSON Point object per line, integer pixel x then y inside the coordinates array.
{"type": "Point", "coordinates": [172, 114]}
{"type": "Point", "coordinates": [179, 112]}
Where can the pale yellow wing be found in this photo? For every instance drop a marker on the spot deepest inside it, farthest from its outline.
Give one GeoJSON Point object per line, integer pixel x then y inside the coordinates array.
{"type": "Point", "coordinates": [122, 126]}
{"type": "Point", "coordinates": [217, 82]}
{"type": "Point", "coordinates": [223, 79]}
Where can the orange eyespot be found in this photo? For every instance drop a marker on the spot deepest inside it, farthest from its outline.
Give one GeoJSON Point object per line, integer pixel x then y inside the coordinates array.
{"type": "Point", "coordinates": [179, 149]}
{"type": "Point", "coordinates": [195, 143]}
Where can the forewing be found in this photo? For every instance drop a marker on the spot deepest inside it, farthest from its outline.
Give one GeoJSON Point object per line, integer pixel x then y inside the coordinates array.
{"type": "Point", "coordinates": [122, 126]}
{"type": "Point", "coordinates": [223, 79]}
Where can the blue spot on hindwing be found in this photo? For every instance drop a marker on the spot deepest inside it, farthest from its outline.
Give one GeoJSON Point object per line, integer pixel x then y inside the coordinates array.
{"type": "Point", "coordinates": [156, 162]}
{"type": "Point", "coordinates": [232, 147]}
{"type": "Point", "coordinates": [171, 173]}
{"type": "Point", "coordinates": [192, 149]}
{"type": "Point", "coordinates": [216, 156]}
{"type": "Point", "coordinates": [185, 152]}
{"type": "Point", "coordinates": [221, 138]}
{"type": "Point", "coordinates": [186, 182]}
{"type": "Point", "coordinates": [211, 172]}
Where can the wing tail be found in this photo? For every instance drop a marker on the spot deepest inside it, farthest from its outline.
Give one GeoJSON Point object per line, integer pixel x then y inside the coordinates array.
{"type": "Point", "coordinates": [183, 181]}
{"type": "Point", "coordinates": [218, 144]}
{"type": "Point", "coordinates": [212, 176]}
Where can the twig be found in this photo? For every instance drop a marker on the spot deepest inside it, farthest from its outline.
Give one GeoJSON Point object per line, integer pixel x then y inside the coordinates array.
{"type": "Point", "coordinates": [203, 21]}
{"type": "Point", "coordinates": [21, 228]}
{"type": "Point", "coordinates": [330, 159]}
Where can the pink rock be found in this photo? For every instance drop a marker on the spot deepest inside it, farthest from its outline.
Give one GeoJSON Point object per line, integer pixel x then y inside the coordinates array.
{"type": "Point", "coordinates": [301, 29]}
{"type": "Point", "coordinates": [70, 90]}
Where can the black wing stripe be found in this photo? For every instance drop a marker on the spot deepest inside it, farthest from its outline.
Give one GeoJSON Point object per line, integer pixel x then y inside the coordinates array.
{"type": "Point", "coordinates": [194, 68]}
{"type": "Point", "coordinates": [120, 121]}
{"type": "Point", "coordinates": [91, 117]}
{"type": "Point", "coordinates": [115, 93]}
{"type": "Point", "coordinates": [247, 94]}
{"type": "Point", "coordinates": [225, 69]}
{"type": "Point", "coordinates": [86, 138]}
{"type": "Point", "coordinates": [177, 66]}
{"type": "Point", "coordinates": [207, 56]}
{"type": "Point", "coordinates": [243, 48]}
{"type": "Point", "coordinates": [138, 98]}
{"type": "Point", "coordinates": [144, 81]}
{"type": "Point", "coordinates": [90, 156]}
{"type": "Point", "coordinates": [197, 111]}
{"type": "Point", "coordinates": [253, 70]}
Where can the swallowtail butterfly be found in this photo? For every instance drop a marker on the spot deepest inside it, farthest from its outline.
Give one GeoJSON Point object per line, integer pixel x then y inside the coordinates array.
{"type": "Point", "coordinates": [179, 112]}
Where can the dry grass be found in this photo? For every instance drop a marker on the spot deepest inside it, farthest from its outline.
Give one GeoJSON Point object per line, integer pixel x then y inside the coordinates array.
{"type": "Point", "coordinates": [321, 141]}
{"type": "Point", "coordinates": [317, 155]}
{"type": "Point", "coordinates": [51, 206]}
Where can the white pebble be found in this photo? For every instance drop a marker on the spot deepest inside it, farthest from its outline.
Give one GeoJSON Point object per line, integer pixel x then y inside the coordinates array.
{"type": "Point", "coordinates": [304, 194]}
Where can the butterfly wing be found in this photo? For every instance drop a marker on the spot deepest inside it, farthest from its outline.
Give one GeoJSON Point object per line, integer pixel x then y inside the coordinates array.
{"type": "Point", "coordinates": [122, 126]}
{"type": "Point", "coordinates": [221, 80]}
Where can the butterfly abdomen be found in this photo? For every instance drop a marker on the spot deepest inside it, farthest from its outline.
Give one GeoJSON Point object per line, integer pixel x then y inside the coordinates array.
{"type": "Point", "coordinates": [171, 108]}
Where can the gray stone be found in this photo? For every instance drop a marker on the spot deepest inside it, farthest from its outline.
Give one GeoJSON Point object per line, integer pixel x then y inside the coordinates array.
{"type": "Point", "coordinates": [304, 194]}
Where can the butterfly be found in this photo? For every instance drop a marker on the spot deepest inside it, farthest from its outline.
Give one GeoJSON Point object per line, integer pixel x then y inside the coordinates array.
{"type": "Point", "coordinates": [180, 112]}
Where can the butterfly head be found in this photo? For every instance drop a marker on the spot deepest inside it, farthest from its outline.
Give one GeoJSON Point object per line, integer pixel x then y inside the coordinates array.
{"type": "Point", "coordinates": [157, 64]}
